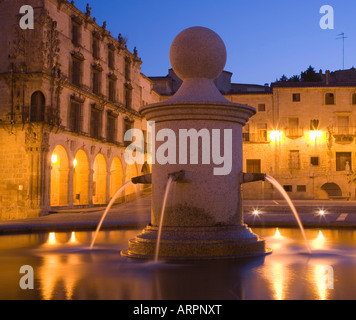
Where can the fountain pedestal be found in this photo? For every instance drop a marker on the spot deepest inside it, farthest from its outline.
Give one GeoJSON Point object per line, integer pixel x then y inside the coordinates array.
{"type": "Point", "coordinates": [203, 217]}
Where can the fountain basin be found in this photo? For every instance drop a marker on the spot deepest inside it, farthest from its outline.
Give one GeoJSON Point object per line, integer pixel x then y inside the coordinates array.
{"type": "Point", "coordinates": [185, 243]}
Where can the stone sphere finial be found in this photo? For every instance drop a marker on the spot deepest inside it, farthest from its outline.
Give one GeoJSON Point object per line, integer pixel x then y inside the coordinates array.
{"type": "Point", "coordinates": [198, 52]}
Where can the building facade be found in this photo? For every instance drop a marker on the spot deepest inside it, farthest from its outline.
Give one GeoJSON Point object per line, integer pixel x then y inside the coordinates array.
{"type": "Point", "coordinates": [303, 134]}
{"type": "Point", "coordinates": [69, 91]}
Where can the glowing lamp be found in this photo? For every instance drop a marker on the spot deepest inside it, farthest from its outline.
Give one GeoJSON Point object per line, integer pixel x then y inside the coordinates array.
{"type": "Point", "coordinates": [275, 135]}
{"type": "Point", "coordinates": [74, 162]}
{"type": "Point", "coordinates": [54, 158]}
{"type": "Point", "coordinates": [314, 134]}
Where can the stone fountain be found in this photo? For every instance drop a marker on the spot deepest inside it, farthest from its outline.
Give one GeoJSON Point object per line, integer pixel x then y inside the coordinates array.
{"type": "Point", "coordinates": [203, 217]}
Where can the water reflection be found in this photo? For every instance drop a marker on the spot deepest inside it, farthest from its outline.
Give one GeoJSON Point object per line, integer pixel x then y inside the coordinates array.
{"type": "Point", "coordinates": [65, 268]}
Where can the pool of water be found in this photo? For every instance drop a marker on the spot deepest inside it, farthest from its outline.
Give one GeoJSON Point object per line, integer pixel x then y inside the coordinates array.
{"type": "Point", "coordinates": [64, 268]}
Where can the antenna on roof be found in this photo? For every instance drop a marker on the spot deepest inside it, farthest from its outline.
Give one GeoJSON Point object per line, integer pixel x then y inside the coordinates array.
{"type": "Point", "coordinates": [342, 37]}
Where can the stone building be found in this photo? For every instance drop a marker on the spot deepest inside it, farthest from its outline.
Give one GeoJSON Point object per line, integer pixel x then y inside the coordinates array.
{"type": "Point", "coordinates": [303, 134]}
{"type": "Point", "coordinates": [69, 90]}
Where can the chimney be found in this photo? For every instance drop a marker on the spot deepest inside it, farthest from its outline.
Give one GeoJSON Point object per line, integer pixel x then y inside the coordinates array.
{"type": "Point", "coordinates": [327, 76]}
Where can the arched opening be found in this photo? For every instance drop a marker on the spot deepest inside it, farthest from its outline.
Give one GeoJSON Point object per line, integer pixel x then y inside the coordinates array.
{"type": "Point", "coordinates": [99, 180]}
{"type": "Point", "coordinates": [130, 191]}
{"type": "Point", "coordinates": [116, 177]}
{"type": "Point", "coordinates": [37, 110]}
{"type": "Point", "coordinates": [329, 98]}
{"type": "Point", "coordinates": [332, 189]}
{"type": "Point", "coordinates": [81, 178]}
{"type": "Point", "coordinates": [59, 177]}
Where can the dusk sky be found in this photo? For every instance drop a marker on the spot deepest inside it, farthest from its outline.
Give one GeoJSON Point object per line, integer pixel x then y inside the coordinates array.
{"type": "Point", "coordinates": [264, 39]}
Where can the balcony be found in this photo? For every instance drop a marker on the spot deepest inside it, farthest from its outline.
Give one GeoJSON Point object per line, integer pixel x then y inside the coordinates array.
{"type": "Point", "coordinates": [343, 135]}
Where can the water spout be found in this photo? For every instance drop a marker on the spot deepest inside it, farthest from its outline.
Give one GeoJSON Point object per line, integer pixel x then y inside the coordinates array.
{"type": "Point", "coordinates": [168, 186]}
{"type": "Point", "coordinates": [290, 203]}
{"type": "Point", "coordinates": [144, 179]}
{"type": "Point", "coordinates": [118, 192]}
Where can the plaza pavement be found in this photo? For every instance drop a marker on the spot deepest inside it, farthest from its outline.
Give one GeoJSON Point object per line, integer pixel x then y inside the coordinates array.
{"type": "Point", "coordinates": [136, 214]}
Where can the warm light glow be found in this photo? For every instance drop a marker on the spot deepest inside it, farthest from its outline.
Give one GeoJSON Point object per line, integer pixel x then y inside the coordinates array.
{"type": "Point", "coordinates": [256, 212]}
{"type": "Point", "coordinates": [319, 242]}
{"type": "Point", "coordinates": [278, 234]}
{"type": "Point", "coordinates": [275, 135]}
{"type": "Point", "coordinates": [73, 238]}
{"type": "Point", "coordinates": [52, 238]}
{"type": "Point", "coordinates": [54, 158]}
{"type": "Point", "coordinates": [314, 134]}
{"type": "Point", "coordinates": [320, 236]}
{"type": "Point", "coordinates": [324, 280]}
{"type": "Point", "coordinates": [322, 212]}
{"type": "Point", "coordinates": [74, 162]}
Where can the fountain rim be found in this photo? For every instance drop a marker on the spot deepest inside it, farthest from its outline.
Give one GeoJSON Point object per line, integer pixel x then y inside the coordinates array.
{"type": "Point", "coordinates": [198, 110]}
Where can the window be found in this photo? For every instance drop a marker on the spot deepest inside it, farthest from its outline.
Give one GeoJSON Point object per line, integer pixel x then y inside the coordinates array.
{"type": "Point", "coordinates": [75, 117]}
{"type": "Point", "coordinates": [314, 161]}
{"type": "Point", "coordinates": [329, 98]}
{"type": "Point", "coordinates": [37, 107]}
{"type": "Point", "coordinates": [112, 90]}
{"type": "Point", "coordinates": [95, 123]}
{"type": "Point", "coordinates": [75, 34]}
{"type": "Point", "coordinates": [354, 98]}
{"type": "Point", "coordinates": [261, 107]}
{"type": "Point", "coordinates": [296, 97]}
{"type": "Point", "coordinates": [253, 165]}
{"type": "Point", "coordinates": [293, 158]}
{"type": "Point", "coordinates": [95, 48]}
{"type": "Point", "coordinates": [314, 124]}
{"type": "Point", "coordinates": [96, 82]}
{"type": "Point", "coordinates": [111, 59]}
{"type": "Point", "coordinates": [262, 132]}
{"type": "Point", "coordinates": [343, 159]}
{"type": "Point", "coordinates": [301, 188]}
{"type": "Point", "coordinates": [128, 97]}
{"type": "Point", "coordinates": [127, 126]}
{"type": "Point", "coordinates": [293, 130]}
{"type": "Point", "coordinates": [288, 188]}
{"type": "Point", "coordinates": [246, 132]}
{"type": "Point", "coordinates": [76, 71]}
{"type": "Point", "coordinates": [127, 69]}
{"type": "Point", "coordinates": [343, 124]}
{"type": "Point", "coordinates": [111, 128]}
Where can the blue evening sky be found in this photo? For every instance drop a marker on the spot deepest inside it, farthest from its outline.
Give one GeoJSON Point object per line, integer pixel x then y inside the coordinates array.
{"type": "Point", "coordinates": [264, 38]}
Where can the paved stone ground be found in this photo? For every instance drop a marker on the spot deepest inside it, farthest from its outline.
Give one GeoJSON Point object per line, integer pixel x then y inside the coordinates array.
{"type": "Point", "coordinates": [136, 214]}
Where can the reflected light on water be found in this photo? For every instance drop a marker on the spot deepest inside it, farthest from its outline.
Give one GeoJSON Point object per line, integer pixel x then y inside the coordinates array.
{"type": "Point", "coordinates": [51, 239]}
{"type": "Point", "coordinates": [323, 279]}
{"type": "Point", "coordinates": [73, 239]}
{"type": "Point", "coordinates": [277, 234]}
{"type": "Point", "coordinates": [278, 271]}
{"type": "Point", "coordinates": [319, 242]}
